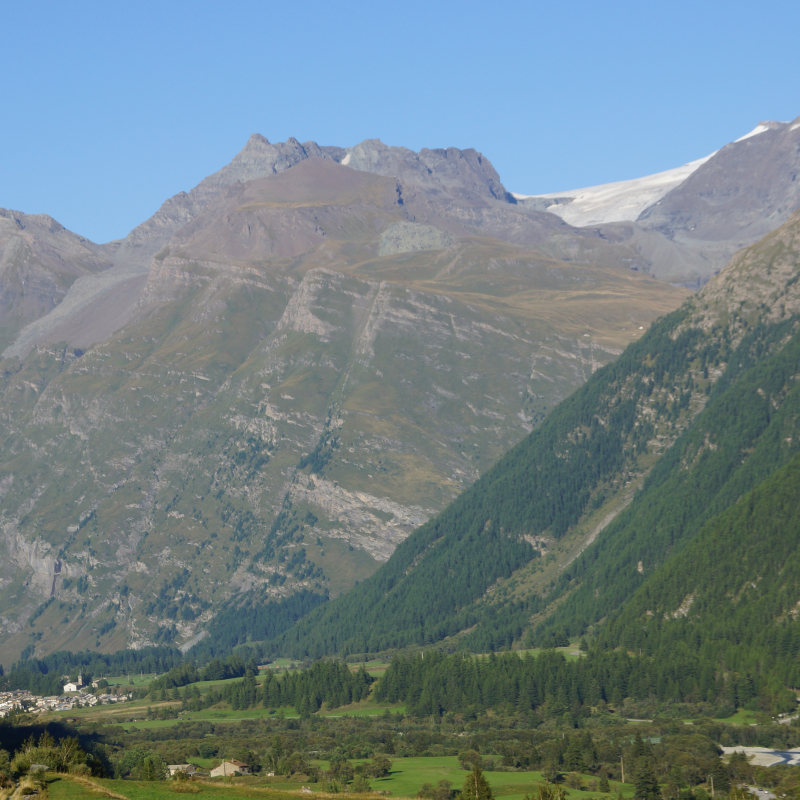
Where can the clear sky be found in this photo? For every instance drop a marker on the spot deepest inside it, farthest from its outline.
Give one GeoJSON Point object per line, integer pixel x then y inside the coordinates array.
{"type": "Point", "coordinates": [110, 108]}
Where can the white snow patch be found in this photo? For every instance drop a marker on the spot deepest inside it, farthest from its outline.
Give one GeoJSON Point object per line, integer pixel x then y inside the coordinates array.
{"type": "Point", "coordinates": [760, 128]}
{"type": "Point", "coordinates": [346, 159]}
{"type": "Point", "coordinates": [624, 201]}
{"type": "Point", "coordinates": [619, 201]}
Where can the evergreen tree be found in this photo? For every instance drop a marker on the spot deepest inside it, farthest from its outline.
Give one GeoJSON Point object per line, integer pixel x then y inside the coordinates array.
{"type": "Point", "coordinates": [646, 782]}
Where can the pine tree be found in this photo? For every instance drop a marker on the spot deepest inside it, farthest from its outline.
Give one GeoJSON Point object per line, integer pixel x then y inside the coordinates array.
{"type": "Point", "coordinates": [646, 783]}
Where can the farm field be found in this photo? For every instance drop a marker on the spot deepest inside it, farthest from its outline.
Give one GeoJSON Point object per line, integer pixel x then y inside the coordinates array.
{"type": "Point", "coordinates": [741, 717]}
{"type": "Point", "coordinates": [409, 774]}
{"type": "Point", "coordinates": [229, 715]}
{"type": "Point", "coordinates": [132, 715]}
{"type": "Point", "coordinates": [209, 714]}
{"type": "Point", "coordinates": [407, 777]}
{"type": "Point", "coordinates": [131, 680]}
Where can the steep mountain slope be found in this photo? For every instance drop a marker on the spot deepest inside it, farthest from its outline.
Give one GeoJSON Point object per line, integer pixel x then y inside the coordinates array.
{"type": "Point", "coordinates": [566, 527]}
{"type": "Point", "coordinates": [321, 359]}
{"type": "Point", "coordinates": [734, 588]}
{"type": "Point", "coordinates": [740, 194]}
{"type": "Point", "coordinates": [39, 261]}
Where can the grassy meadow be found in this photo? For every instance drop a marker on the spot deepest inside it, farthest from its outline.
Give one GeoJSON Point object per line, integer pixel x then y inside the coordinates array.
{"type": "Point", "coordinates": [405, 780]}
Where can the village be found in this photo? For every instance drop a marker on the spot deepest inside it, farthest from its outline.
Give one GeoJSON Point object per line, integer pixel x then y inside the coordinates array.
{"type": "Point", "coordinates": [75, 695]}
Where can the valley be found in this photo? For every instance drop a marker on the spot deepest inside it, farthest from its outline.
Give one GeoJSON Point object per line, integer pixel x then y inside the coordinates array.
{"type": "Point", "coordinates": [354, 468]}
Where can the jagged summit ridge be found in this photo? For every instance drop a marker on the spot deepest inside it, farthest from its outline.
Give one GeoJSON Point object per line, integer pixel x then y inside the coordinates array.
{"type": "Point", "coordinates": [463, 174]}
{"type": "Point", "coordinates": [259, 158]}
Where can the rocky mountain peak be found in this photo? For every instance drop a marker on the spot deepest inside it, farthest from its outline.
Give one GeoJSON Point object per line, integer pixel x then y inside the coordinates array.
{"type": "Point", "coordinates": [259, 158]}
{"type": "Point", "coordinates": [255, 140]}
{"type": "Point", "coordinates": [460, 173]}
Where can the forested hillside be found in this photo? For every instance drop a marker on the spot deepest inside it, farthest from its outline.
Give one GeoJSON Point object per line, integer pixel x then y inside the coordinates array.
{"type": "Point", "coordinates": [749, 429]}
{"type": "Point", "coordinates": [731, 596]}
{"type": "Point", "coordinates": [655, 446]}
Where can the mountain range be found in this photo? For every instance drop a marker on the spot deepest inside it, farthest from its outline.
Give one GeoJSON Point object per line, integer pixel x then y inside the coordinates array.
{"type": "Point", "coordinates": [259, 394]}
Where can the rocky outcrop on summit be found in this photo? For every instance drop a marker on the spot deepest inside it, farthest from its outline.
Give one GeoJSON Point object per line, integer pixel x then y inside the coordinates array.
{"type": "Point", "coordinates": [257, 159]}
{"type": "Point", "coordinates": [446, 173]}
{"type": "Point", "coordinates": [462, 174]}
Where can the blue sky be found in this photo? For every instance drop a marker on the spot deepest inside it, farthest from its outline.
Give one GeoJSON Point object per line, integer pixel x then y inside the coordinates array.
{"type": "Point", "coordinates": [110, 108]}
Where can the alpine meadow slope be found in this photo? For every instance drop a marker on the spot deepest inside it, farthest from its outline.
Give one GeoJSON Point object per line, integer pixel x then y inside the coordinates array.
{"type": "Point", "coordinates": [661, 450]}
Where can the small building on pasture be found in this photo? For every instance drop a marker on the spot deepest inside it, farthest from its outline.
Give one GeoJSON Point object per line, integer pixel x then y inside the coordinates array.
{"type": "Point", "coordinates": [188, 769]}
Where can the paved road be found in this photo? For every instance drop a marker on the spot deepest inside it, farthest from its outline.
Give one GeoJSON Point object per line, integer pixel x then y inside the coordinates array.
{"type": "Point", "coordinates": [762, 794]}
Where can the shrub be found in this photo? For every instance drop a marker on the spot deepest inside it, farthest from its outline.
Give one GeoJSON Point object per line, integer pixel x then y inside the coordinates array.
{"type": "Point", "coordinates": [360, 784]}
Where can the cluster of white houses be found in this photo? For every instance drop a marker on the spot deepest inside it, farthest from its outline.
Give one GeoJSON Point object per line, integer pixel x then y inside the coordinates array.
{"type": "Point", "coordinates": [22, 700]}
{"type": "Point", "coordinates": [11, 701]}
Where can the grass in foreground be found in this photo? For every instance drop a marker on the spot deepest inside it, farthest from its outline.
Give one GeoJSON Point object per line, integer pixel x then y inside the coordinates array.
{"type": "Point", "coordinates": [67, 787]}
{"type": "Point", "coordinates": [405, 780]}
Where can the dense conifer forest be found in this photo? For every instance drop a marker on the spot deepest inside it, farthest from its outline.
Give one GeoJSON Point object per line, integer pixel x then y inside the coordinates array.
{"type": "Point", "coordinates": [745, 426]}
